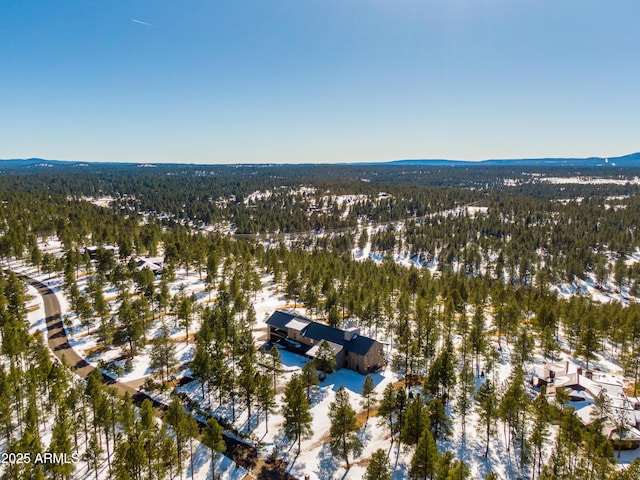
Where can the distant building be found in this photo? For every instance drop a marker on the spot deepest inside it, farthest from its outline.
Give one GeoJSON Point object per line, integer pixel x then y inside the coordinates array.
{"type": "Point", "coordinates": [583, 387]}
{"type": "Point", "coordinates": [155, 264]}
{"type": "Point", "coordinates": [302, 335]}
{"type": "Point", "coordinates": [93, 250]}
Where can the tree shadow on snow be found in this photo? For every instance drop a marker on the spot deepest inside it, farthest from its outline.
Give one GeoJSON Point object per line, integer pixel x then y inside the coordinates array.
{"type": "Point", "coordinates": [399, 469]}
{"type": "Point", "coordinates": [317, 395]}
{"type": "Point", "coordinates": [350, 380]}
{"type": "Point", "coordinates": [186, 356]}
{"type": "Point", "coordinates": [249, 426]}
{"type": "Point", "coordinates": [201, 456]}
{"type": "Point", "coordinates": [328, 464]}
{"type": "Point", "coordinates": [365, 434]}
{"type": "Point", "coordinates": [295, 469]}
{"type": "Point", "coordinates": [285, 446]}
{"type": "Point", "coordinates": [498, 456]}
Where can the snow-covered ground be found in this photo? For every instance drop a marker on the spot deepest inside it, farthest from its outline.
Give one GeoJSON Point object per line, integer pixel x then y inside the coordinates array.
{"type": "Point", "coordinates": [315, 458]}
{"type": "Point", "coordinates": [590, 180]}
{"type": "Point", "coordinates": [35, 312]}
{"type": "Point", "coordinates": [202, 465]}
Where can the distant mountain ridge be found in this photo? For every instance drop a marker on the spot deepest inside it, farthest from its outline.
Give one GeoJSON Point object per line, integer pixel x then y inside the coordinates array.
{"type": "Point", "coordinates": [39, 163]}
{"type": "Point", "coordinates": [631, 160]}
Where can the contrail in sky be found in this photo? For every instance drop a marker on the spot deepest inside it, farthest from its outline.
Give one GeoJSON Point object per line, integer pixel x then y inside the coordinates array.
{"type": "Point", "coordinates": [142, 23]}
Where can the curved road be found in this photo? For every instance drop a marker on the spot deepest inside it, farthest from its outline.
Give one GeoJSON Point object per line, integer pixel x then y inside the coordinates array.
{"type": "Point", "coordinates": [60, 346]}
{"type": "Point", "coordinates": [241, 453]}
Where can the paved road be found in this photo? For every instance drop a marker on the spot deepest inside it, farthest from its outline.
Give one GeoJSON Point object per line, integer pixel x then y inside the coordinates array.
{"type": "Point", "coordinates": [241, 453]}
{"type": "Point", "coordinates": [59, 343]}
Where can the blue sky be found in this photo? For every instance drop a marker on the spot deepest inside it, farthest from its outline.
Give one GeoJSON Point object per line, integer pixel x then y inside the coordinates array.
{"type": "Point", "coordinates": [293, 81]}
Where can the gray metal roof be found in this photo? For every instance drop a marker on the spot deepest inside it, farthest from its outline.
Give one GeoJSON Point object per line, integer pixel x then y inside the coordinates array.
{"type": "Point", "coordinates": [280, 319]}
{"type": "Point", "coordinates": [297, 324]}
{"type": "Point", "coordinates": [335, 348]}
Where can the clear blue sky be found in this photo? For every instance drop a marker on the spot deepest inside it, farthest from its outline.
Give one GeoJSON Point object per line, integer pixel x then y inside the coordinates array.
{"type": "Point", "coordinates": [209, 81]}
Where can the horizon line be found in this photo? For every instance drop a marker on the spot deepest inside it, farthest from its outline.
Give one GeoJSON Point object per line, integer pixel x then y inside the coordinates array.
{"type": "Point", "coordinates": [371, 162]}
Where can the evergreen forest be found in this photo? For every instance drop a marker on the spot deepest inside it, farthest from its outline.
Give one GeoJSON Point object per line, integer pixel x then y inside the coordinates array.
{"type": "Point", "coordinates": [470, 276]}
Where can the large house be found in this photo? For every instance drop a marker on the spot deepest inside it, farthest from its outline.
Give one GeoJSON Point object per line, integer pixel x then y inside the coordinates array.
{"type": "Point", "coordinates": [302, 335]}
{"type": "Point", "coordinates": [583, 387]}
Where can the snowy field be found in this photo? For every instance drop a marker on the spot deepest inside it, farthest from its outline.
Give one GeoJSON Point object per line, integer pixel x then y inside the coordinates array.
{"type": "Point", "coordinates": [202, 465]}
{"type": "Point", "coordinates": [590, 181]}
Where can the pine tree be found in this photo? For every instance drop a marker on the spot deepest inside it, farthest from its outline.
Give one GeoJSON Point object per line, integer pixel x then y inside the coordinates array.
{"type": "Point", "coordinates": [541, 417]}
{"type": "Point", "coordinates": [247, 380]}
{"type": "Point", "coordinates": [48, 264]}
{"type": "Point", "coordinates": [265, 396]}
{"type": "Point", "coordinates": [388, 408]}
{"type": "Point", "coordinates": [212, 437]}
{"type": "Point", "coordinates": [162, 295]}
{"type": "Point", "coordinates": [477, 335]}
{"type": "Point", "coordinates": [589, 338]}
{"type": "Point", "coordinates": [202, 364]}
{"type": "Point", "coordinates": [127, 414]}
{"type": "Point", "coordinates": [445, 465]}
{"type": "Point", "coordinates": [176, 419]}
{"type": "Point", "coordinates": [402, 402]}
{"type": "Point", "coordinates": [440, 421]}
{"type": "Point", "coordinates": [191, 431]}
{"type": "Point", "coordinates": [101, 307]}
{"type": "Point", "coordinates": [598, 456]}
{"type": "Point", "coordinates": [333, 317]}
{"type": "Point", "coordinates": [309, 377]}
{"type": "Point", "coordinates": [442, 374]}
{"type": "Point", "coordinates": [487, 407]}
{"type": "Point", "coordinates": [61, 444]}
{"type": "Point", "coordinates": [131, 330]}
{"type": "Point", "coordinates": [275, 364]}
{"type": "Point", "coordinates": [620, 271]}
{"type": "Point", "coordinates": [424, 462]}
{"type": "Point", "coordinates": [343, 431]}
{"type": "Point", "coordinates": [297, 417]}
{"type": "Point", "coordinates": [147, 432]}
{"type": "Point", "coordinates": [601, 410]}
{"type": "Point", "coordinates": [185, 310]}
{"type": "Point", "coordinates": [512, 411]}
{"type": "Point", "coordinates": [523, 347]}
{"type": "Point", "coordinates": [368, 394]}
{"type": "Point", "coordinates": [35, 257]}
{"type": "Point", "coordinates": [548, 343]}
{"type": "Point", "coordinates": [629, 356]}
{"type": "Point", "coordinates": [30, 442]}
{"type": "Point", "coordinates": [415, 422]}
{"type": "Point", "coordinates": [378, 468]}
{"type": "Point", "coordinates": [325, 361]}
{"type": "Point", "coordinates": [163, 353]}
{"type": "Point", "coordinates": [6, 412]}
{"type": "Point", "coordinates": [166, 453]}
{"type": "Point", "coordinates": [458, 470]}
{"type": "Point", "coordinates": [128, 459]}
{"type": "Point", "coordinates": [464, 400]}
{"type": "Point", "coordinates": [93, 455]}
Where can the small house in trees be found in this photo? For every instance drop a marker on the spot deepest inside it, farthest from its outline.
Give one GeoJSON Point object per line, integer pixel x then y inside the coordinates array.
{"type": "Point", "coordinates": [93, 250]}
{"type": "Point", "coordinates": [302, 335]}
{"type": "Point", "coordinates": [155, 264]}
